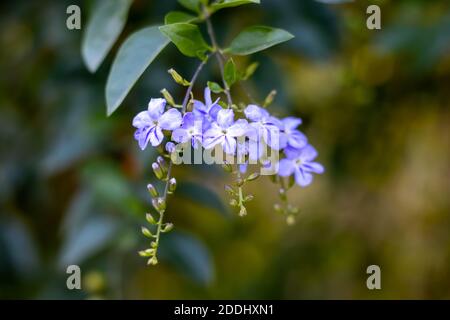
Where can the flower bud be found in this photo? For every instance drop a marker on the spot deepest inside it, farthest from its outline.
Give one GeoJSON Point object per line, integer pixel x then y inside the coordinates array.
{"type": "Point", "coordinates": [248, 198]}
{"type": "Point", "coordinates": [178, 78]}
{"type": "Point", "coordinates": [227, 167]}
{"type": "Point", "coordinates": [167, 227]}
{"type": "Point", "coordinates": [277, 207]}
{"type": "Point", "coordinates": [229, 190]}
{"type": "Point", "coordinates": [239, 182]}
{"type": "Point", "coordinates": [172, 184]}
{"type": "Point", "coordinates": [170, 147]}
{"type": "Point", "coordinates": [233, 203]}
{"type": "Point", "coordinates": [243, 211]}
{"type": "Point", "coordinates": [150, 218]}
{"type": "Point", "coordinates": [147, 252]}
{"type": "Point", "coordinates": [253, 176]}
{"type": "Point", "coordinates": [153, 261]}
{"type": "Point", "coordinates": [146, 232]}
{"type": "Point", "coordinates": [151, 188]}
{"type": "Point", "coordinates": [162, 163]}
{"type": "Point", "coordinates": [290, 220]}
{"type": "Point", "coordinates": [157, 170]}
{"type": "Point", "coordinates": [159, 204]}
{"type": "Point", "coordinates": [282, 194]}
{"type": "Point", "coordinates": [168, 97]}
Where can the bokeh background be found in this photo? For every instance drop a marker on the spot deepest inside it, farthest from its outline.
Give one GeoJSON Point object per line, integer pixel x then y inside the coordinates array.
{"type": "Point", "coordinates": [374, 103]}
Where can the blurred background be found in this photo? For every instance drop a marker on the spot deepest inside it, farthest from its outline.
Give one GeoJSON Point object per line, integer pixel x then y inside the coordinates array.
{"type": "Point", "coordinates": [374, 103]}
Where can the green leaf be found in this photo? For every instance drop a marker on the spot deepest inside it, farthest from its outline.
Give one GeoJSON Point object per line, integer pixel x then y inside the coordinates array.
{"type": "Point", "coordinates": [178, 16]}
{"type": "Point", "coordinates": [187, 37]}
{"type": "Point", "coordinates": [189, 256]}
{"type": "Point", "coordinates": [203, 196]}
{"type": "Point", "coordinates": [134, 56]}
{"type": "Point", "coordinates": [231, 3]}
{"type": "Point", "coordinates": [250, 70]}
{"type": "Point", "coordinates": [230, 73]}
{"type": "Point", "coordinates": [257, 38]}
{"type": "Point", "coordinates": [215, 87]}
{"type": "Point", "coordinates": [103, 28]}
{"type": "Point", "coordinates": [193, 5]}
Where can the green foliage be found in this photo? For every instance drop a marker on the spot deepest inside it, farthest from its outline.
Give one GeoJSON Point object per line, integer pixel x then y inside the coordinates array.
{"type": "Point", "coordinates": [221, 4]}
{"type": "Point", "coordinates": [257, 38]}
{"type": "Point", "coordinates": [193, 5]}
{"type": "Point", "coordinates": [133, 58]}
{"type": "Point", "coordinates": [102, 31]}
{"type": "Point", "coordinates": [230, 73]}
{"type": "Point", "coordinates": [178, 16]}
{"type": "Point", "coordinates": [187, 37]}
{"type": "Point", "coordinates": [215, 87]}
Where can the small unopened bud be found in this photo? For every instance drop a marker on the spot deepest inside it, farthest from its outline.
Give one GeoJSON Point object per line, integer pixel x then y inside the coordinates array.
{"type": "Point", "coordinates": [239, 182]}
{"type": "Point", "coordinates": [159, 204]}
{"type": "Point", "coordinates": [172, 184]}
{"type": "Point", "coordinates": [153, 244]}
{"type": "Point", "coordinates": [150, 218]}
{"type": "Point", "coordinates": [229, 190]}
{"type": "Point", "coordinates": [227, 167]}
{"type": "Point", "coordinates": [292, 209]}
{"type": "Point", "coordinates": [167, 227]}
{"type": "Point", "coordinates": [233, 203]}
{"type": "Point", "coordinates": [277, 207]}
{"type": "Point", "coordinates": [243, 211]}
{"type": "Point", "coordinates": [146, 232]}
{"type": "Point", "coordinates": [270, 97]}
{"type": "Point", "coordinates": [168, 97]}
{"type": "Point", "coordinates": [151, 188]}
{"type": "Point", "coordinates": [248, 198]}
{"type": "Point", "coordinates": [157, 170]}
{"type": "Point", "coordinates": [290, 220]}
{"type": "Point", "coordinates": [162, 163]}
{"type": "Point", "coordinates": [253, 176]}
{"type": "Point", "coordinates": [147, 252]}
{"type": "Point", "coordinates": [152, 261]}
{"type": "Point", "coordinates": [170, 147]}
{"type": "Point", "coordinates": [178, 78]}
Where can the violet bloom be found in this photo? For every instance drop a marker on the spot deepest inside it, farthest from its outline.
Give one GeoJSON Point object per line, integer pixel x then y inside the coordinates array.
{"type": "Point", "coordinates": [265, 127]}
{"type": "Point", "coordinates": [294, 138]}
{"type": "Point", "coordinates": [190, 130]}
{"type": "Point", "coordinates": [208, 110]}
{"type": "Point", "coordinates": [151, 123]}
{"type": "Point", "coordinates": [300, 163]}
{"type": "Point", "coordinates": [224, 131]}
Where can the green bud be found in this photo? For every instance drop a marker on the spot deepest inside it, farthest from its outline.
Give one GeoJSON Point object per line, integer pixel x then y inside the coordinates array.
{"type": "Point", "coordinates": [227, 167]}
{"type": "Point", "coordinates": [153, 244]}
{"type": "Point", "coordinates": [167, 227]}
{"type": "Point", "coordinates": [253, 176]}
{"type": "Point", "coordinates": [269, 99]}
{"type": "Point", "coordinates": [178, 78]}
{"type": "Point", "coordinates": [150, 218]}
{"type": "Point", "coordinates": [243, 211]}
{"type": "Point", "coordinates": [248, 198]}
{"type": "Point", "coordinates": [172, 185]}
{"type": "Point", "coordinates": [239, 182]}
{"type": "Point", "coordinates": [152, 261]}
{"type": "Point", "coordinates": [158, 171]}
{"type": "Point", "coordinates": [277, 207]}
{"type": "Point", "coordinates": [146, 232]}
{"type": "Point", "coordinates": [233, 203]}
{"type": "Point", "coordinates": [168, 97]}
{"type": "Point", "coordinates": [159, 204]}
{"type": "Point", "coordinates": [151, 188]}
{"type": "Point", "coordinates": [162, 163]}
{"type": "Point", "coordinates": [290, 220]}
{"type": "Point", "coordinates": [292, 209]}
{"type": "Point", "coordinates": [229, 190]}
{"type": "Point", "coordinates": [147, 252]}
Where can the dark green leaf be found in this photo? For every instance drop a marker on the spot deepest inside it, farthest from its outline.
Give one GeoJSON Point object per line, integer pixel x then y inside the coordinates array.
{"type": "Point", "coordinates": [189, 256]}
{"type": "Point", "coordinates": [231, 3]}
{"type": "Point", "coordinates": [187, 37]}
{"type": "Point", "coordinates": [202, 196]}
{"type": "Point", "coordinates": [178, 16]}
{"type": "Point", "coordinates": [102, 31]}
{"type": "Point", "coordinates": [230, 73]}
{"type": "Point", "coordinates": [257, 38]}
{"type": "Point", "coordinates": [215, 87]}
{"type": "Point", "coordinates": [134, 56]}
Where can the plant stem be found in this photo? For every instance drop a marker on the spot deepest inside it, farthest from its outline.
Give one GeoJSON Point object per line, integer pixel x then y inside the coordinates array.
{"type": "Point", "coordinates": [219, 55]}
{"type": "Point", "coordinates": [169, 169]}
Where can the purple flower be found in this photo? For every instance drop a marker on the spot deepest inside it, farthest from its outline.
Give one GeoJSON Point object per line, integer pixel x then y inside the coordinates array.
{"type": "Point", "coordinates": [208, 110]}
{"type": "Point", "coordinates": [191, 130]}
{"type": "Point", "coordinates": [293, 137]}
{"type": "Point", "coordinates": [150, 123]}
{"type": "Point", "coordinates": [265, 127]}
{"type": "Point", "coordinates": [300, 163]}
{"type": "Point", "coordinates": [224, 131]}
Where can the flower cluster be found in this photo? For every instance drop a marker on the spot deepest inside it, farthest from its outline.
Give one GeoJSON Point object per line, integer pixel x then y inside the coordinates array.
{"type": "Point", "coordinates": [209, 125]}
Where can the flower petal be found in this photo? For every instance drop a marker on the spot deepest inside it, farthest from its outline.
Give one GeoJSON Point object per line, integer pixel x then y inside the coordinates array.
{"type": "Point", "coordinates": [212, 136]}
{"type": "Point", "coordinates": [225, 118]}
{"type": "Point", "coordinates": [296, 139]}
{"type": "Point", "coordinates": [214, 110]}
{"type": "Point", "coordinates": [308, 153]}
{"type": "Point", "coordinates": [303, 178]}
{"type": "Point", "coordinates": [156, 108]}
{"type": "Point", "coordinates": [142, 119]}
{"type": "Point", "coordinates": [285, 167]}
{"type": "Point", "coordinates": [229, 145]}
{"type": "Point", "coordinates": [180, 135]}
{"type": "Point", "coordinates": [156, 136]}
{"type": "Point", "coordinates": [188, 120]}
{"type": "Point", "coordinates": [207, 94]}
{"type": "Point", "coordinates": [291, 123]}
{"type": "Point", "coordinates": [314, 167]}
{"type": "Point", "coordinates": [253, 112]}
{"type": "Point", "coordinates": [239, 128]}
{"type": "Point", "coordinates": [170, 120]}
